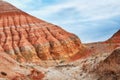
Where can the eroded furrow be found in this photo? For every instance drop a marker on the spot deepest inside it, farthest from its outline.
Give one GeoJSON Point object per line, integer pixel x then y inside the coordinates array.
{"type": "Point", "coordinates": [31, 39]}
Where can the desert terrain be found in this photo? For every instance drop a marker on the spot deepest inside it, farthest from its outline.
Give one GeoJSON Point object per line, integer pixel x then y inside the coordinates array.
{"type": "Point", "coordinates": [33, 49]}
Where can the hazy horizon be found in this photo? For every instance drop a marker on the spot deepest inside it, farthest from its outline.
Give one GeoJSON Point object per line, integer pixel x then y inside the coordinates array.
{"type": "Point", "coordinates": [91, 20]}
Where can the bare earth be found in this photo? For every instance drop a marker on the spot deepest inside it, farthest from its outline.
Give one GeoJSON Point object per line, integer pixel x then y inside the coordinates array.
{"type": "Point", "coordinates": [33, 49]}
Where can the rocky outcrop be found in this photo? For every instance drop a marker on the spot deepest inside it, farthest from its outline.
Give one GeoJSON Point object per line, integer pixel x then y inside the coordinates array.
{"type": "Point", "coordinates": [115, 38]}
{"type": "Point", "coordinates": [12, 70]}
{"type": "Point", "coordinates": [29, 39]}
{"type": "Point", "coordinates": [109, 69]}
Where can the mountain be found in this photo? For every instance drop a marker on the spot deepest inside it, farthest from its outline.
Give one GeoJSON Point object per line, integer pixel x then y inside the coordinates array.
{"type": "Point", "coordinates": [26, 42]}
{"type": "Point", "coordinates": [33, 49]}
{"type": "Point", "coordinates": [105, 46]}
{"type": "Point", "coordinates": [29, 39]}
{"type": "Point", "coordinates": [115, 38]}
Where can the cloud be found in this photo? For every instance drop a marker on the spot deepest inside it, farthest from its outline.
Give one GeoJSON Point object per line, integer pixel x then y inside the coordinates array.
{"type": "Point", "coordinates": [91, 10]}
{"type": "Point", "coordinates": [25, 4]}
{"type": "Point", "coordinates": [51, 9]}
{"type": "Point", "coordinates": [91, 20]}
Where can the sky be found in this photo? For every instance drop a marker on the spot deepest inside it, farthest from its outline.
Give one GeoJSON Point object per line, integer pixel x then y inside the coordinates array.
{"type": "Point", "coordinates": [90, 20]}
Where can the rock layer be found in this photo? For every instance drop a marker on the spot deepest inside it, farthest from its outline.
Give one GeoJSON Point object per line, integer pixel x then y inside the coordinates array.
{"type": "Point", "coordinates": [27, 38]}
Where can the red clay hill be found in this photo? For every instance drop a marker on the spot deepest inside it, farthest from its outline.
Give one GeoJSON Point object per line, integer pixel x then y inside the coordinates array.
{"type": "Point", "coordinates": [24, 38]}
{"type": "Point", "coordinates": [115, 38]}
{"type": "Point", "coordinates": [29, 39]}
